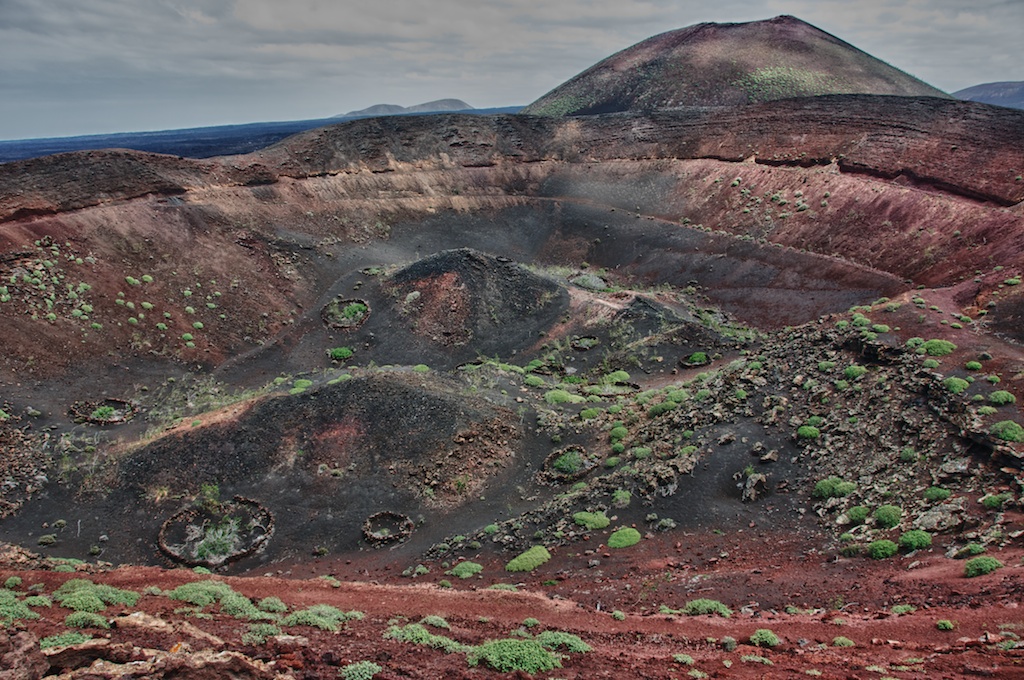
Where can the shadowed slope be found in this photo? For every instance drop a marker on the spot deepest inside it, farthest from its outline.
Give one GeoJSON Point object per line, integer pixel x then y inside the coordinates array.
{"type": "Point", "coordinates": [727, 64]}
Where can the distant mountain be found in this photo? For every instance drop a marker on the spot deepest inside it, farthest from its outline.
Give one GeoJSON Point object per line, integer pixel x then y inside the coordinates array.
{"type": "Point", "coordinates": [713, 64]}
{"type": "Point", "coordinates": [1007, 93]}
{"type": "Point", "coordinates": [437, 106]}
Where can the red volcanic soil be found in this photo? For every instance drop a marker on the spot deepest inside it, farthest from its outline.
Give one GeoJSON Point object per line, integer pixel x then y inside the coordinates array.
{"type": "Point", "coordinates": [828, 599]}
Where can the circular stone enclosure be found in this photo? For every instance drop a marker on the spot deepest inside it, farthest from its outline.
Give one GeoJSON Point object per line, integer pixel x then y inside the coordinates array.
{"type": "Point", "coordinates": [387, 527]}
{"type": "Point", "coordinates": [345, 313]}
{"type": "Point", "coordinates": [566, 465]}
{"type": "Point", "coordinates": [105, 412]}
{"type": "Point", "coordinates": [209, 535]}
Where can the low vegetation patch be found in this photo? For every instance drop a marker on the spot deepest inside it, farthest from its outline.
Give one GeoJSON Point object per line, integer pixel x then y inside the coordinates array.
{"type": "Point", "coordinates": [1008, 430]}
{"type": "Point", "coordinates": [466, 569]}
{"type": "Point", "coordinates": [882, 549]}
{"type": "Point", "coordinates": [979, 566]}
{"type": "Point", "coordinates": [763, 637]}
{"type": "Point", "coordinates": [624, 538]}
{"type": "Point", "coordinates": [703, 606]}
{"type": "Point", "coordinates": [915, 539]}
{"type": "Point", "coordinates": [833, 487]}
{"type": "Point", "coordinates": [888, 516]}
{"type": "Point", "coordinates": [938, 348]}
{"type": "Point", "coordinates": [591, 520]}
{"type": "Point", "coordinates": [529, 560]}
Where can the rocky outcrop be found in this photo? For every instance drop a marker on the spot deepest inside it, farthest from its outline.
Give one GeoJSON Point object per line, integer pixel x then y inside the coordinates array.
{"type": "Point", "coordinates": [20, 658]}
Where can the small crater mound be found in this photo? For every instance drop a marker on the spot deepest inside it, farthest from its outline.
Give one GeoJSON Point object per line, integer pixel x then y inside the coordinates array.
{"type": "Point", "coordinates": [212, 534]}
{"type": "Point", "coordinates": [105, 412]}
{"type": "Point", "coordinates": [460, 296]}
{"type": "Point", "coordinates": [345, 313]}
{"type": "Point", "coordinates": [387, 527]}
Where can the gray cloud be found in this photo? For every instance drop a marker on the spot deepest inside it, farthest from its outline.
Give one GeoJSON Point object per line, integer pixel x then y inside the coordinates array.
{"type": "Point", "coordinates": [84, 66]}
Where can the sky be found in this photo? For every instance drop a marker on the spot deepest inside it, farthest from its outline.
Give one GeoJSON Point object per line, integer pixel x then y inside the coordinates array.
{"type": "Point", "coordinates": [71, 67]}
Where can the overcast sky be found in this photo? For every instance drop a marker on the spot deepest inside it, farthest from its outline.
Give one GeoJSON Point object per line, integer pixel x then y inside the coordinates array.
{"type": "Point", "coordinates": [92, 66]}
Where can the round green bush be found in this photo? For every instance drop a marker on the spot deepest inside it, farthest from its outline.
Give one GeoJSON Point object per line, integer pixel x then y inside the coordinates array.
{"type": "Point", "coordinates": [1008, 430]}
{"type": "Point", "coordinates": [936, 493]}
{"type": "Point", "coordinates": [995, 501]}
{"type": "Point", "coordinates": [858, 514]}
{"type": "Point", "coordinates": [955, 385]}
{"type": "Point", "coordinates": [979, 566]}
{"type": "Point", "coordinates": [854, 371]}
{"type": "Point", "coordinates": [529, 560]}
{"type": "Point", "coordinates": [973, 366]}
{"type": "Point", "coordinates": [944, 624]}
{"type": "Point", "coordinates": [591, 520]}
{"type": "Point", "coordinates": [808, 432]}
{"type": "Point", "coordinates": [938, 348]}
{"type": "Point", "coordinates": [1002, 397]}
{"type": "Point", "coordinates": [882, 549]}
{"type": "Point", "coordinates": [833, 487]}
{"type": "Point", "coordinates": [762, 637]}
{"type": "Point", "coordinates": [623, 538]}
{"type": "Point", "coordinates": [617, 433]}
{"type": "Point", "coordinates": [915, 539]}
{"type": "Point", "coordinates": [85, 620]}
{"type": "Point", "coordinates": [888, 516]}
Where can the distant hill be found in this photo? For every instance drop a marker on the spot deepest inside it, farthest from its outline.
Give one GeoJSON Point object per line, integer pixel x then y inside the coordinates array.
{"type": "Point", "coordinates": [1007, 93]}
{"type": "Point", "coordinates": [713, 64]}
{"type": "Point", "coordinates": [436, 106]}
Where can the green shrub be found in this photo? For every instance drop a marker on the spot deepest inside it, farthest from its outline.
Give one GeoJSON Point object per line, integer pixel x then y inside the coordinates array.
{"type": "Point", "coordinates": [64, 640]}
{"type": "Point", "coordinates": [510, 655]}
{"type": "Point", "coordinates": [901, 609]}
{"type": "Point", "coordinates": [698, 358]}
{"type": "Point", "coordinates": [618, 615]}
{"type": "Point", "coordinates": [591, 520]}
{"type": "Point", "coordinates": [973, 366]}
{"type": "Point", "coordinates": [360, 670]}
{"type": "Point", "coordinates": [882, 549]}
{"type": "Point", "coordinates": [272, 605]}
{"type": "Point", "coordinates": [554, 397]}
{"type": "Point", "coordinates": [663, 407]}
{"type": "Point", "coordinates": [1002, 397]}
{"type": "Point", "coordinates": [37, 601]}
{"type": "Point", "coordinates": [936, 493]}
{"type": "Point", "coordinates": [616, 377]}
{"type": "Point", "coordinates": [617, 433]}
{"type": "Point", "coordinates": [854, 371]}
{"type": "Point", "coordinates": [529, 560]}
{"type": "Point", "coordinates": [200, 593]}
{"type": "Point", "coordinates": [322, 616]}
{"type": "Point", "coordinates": [533, 380]}
{"type": "Point", "coordinates": [555, 639]}
{"type": "Point", "coordinates": [590, 413]}
{"type": "Point", "coordinates": [1008, 430]}
{"type": "Point", "coordinates": [12, 582]}
{"type": "Point", "coordinates": [840, 641]}
{"type": "Point", "coordinates": [82, 601]}
{"type": "Point", "coordinates": [621, 498]}
{"type": "Point", "coordinates": [995, 501]}
{"type": "Point", "coordinates": [762, 637]}
{"type": "Point", "coordinates": [259, 633]}
{"type": "Point", "coordinates": [915, 539]}
{"type": "Point", "coordinates": [808, 432]}
{"type": "Point", "coordinates": [938, 348]}
{"type": "Point", "coordinates": [466, 569]}
{"type": "Point", "coordinates": [423, 368]}
{"type": "Point", "coordinates": [979, 566]}
{"type": "Point", "coordinates": [417, 634]}
{"type": "Point", "coordinates": [684, 659]}
{"type": "Point", "coordinates": [944, 624]}
{"type": "Point", "coordinates": [569, 462]}
{"type": "Point", "coordinates": [858, 514]}
{"type": "Point", "coordinates": [240, 607]}
{"type": "Point", "coordinates": [624, 538]}
{"type": "Point", "coordinates": [888, 516]}
{"type": "Point", "coordinates": [340, 353]}
{"type": "Point", "coordinates": [930, 363]}
{"type": "Point", "coordinates": [908, 454]}
{"type": "Point", "coordinates": [955, 385]}
{"type": "Point", "coordinates": [11, 609]}
{"type": "Point", "coordinates": [703, 606]}
{"type": "Point", "coordinates": [85, 620]}
{"type": "Point", "coordinates": [833, 487]}
{"type": "Point", "coordinates": [435, 621]}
